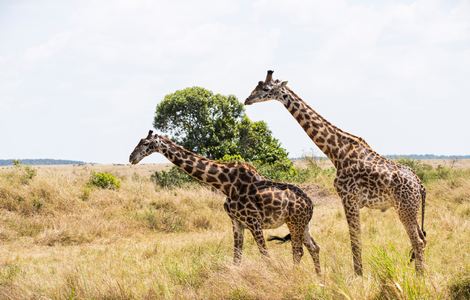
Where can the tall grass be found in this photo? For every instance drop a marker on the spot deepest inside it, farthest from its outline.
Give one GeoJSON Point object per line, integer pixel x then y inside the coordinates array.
{"type": "Point", "coordinates": [140, 242]}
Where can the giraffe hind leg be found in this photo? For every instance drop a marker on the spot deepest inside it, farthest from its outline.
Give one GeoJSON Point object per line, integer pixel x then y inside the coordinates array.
{"type": "Point", "coordinates": [422, 236]}
{"type": "Point", "coordinates": [313, 249]}
{"type": "Point", "coordinates": [409, 220]}
{"type": "Point", "coordinates": [297, 239]}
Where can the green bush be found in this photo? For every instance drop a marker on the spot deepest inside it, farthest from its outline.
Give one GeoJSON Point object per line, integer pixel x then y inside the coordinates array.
{"type": "Point", "coordinates": [24, 174]}
{"type": "Point", "coordinates": [459, 288]}
{"type": "Point", "coordinates": [420, 168]}
{"type": "Point", "coordinates": [280, 170]}
{"type": "Point", "coordinates": [228, 158]}
{"type": "Point", "coordinates": [104, 180]}
{"type": "Point", "coordinates": [426, 172]}
{"type": "Point", "coordinates": [172, 178]}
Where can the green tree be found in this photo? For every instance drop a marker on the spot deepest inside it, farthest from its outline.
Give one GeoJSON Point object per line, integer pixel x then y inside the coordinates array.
{"type": "Point", "coordinates": [214, 125]}
{"type": "Point", "coordinates": [256, 143]}
{"type": "Point", "coordinates": [201, 121]}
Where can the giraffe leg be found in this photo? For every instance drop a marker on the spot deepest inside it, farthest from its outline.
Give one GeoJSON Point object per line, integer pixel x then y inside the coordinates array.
{"type": "Point", "coordinates": [297, 239]}
{"type": "Point", "coordinates": [257, 233]}
{"type": "Point", "coordinates": [409, 220]}
{"type": "Point", "coordinates": [354, 224]}
{"type": "Point", "coordinates": [313, 249]}
{"type": "Point", "coordinates": [238, 233]}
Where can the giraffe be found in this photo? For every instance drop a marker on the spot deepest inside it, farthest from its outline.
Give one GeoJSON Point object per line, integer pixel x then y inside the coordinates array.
{"type": "Point", "coordinates": [252, 202]}
{"type": "Point", "coordinates": [363, 177]}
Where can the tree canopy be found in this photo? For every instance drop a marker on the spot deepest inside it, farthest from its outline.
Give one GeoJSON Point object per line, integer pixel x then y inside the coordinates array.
{"type": "Point", "coordinates": [215, 125]}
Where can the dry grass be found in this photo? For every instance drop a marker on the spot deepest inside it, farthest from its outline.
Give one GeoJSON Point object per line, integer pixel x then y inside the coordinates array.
{"type": "Point", "coordinates": [60, 239]}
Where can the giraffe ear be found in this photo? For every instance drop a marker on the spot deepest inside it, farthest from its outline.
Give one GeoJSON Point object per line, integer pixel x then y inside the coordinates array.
{"type": "Point", "coordinates": [284, 83]}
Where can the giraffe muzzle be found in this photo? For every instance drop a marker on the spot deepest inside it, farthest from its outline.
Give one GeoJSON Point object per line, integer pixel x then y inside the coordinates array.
{"type": "Point", "coordinates": [248, 101]}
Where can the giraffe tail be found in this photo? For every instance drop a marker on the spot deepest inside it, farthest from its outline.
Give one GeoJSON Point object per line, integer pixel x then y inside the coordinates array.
{"type": "Point", "coordinates": [281, 240]}
{"type": "Point", "coordinates": [423, 205]}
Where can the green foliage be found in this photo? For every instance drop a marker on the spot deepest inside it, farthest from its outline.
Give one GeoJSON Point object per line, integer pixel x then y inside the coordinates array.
{"type": "Point", "coordinates": [420, 168]}
{"type": "Point", "coordinates": [459, 288]}
{"type": "Point", "coordinates": [172, 178]}
{"type": "Point", "coordinates": [285, 171]}
{"type": "Point", "coordinates": [281, 170]}
{"type": "Point", "coordinates": [256, 143]}
{"type": "Point", "coordinates": [21, 173]}
{"type": "Point", "coordinates": [425, 171]}
{"type": "Point", "coordinates": [104, 180]}
{"type": "Point", "coordinates": [227, 158]}
{"type": "Point", "coordinates": [200, 120]}
{"type": "Point", "coordinates": [396, 278]}
{"type": "Point", "coordinates": [214, 125]}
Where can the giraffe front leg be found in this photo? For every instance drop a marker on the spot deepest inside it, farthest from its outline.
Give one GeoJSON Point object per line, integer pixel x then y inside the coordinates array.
{"type": "Point", "coordinates": [257, 232]}
{"type": "Point", "coordinates": [352, 216]}
{"type": "Point", "coordinates": [238, 235]}
{"type": "Point", "coordinates": [297, 238]}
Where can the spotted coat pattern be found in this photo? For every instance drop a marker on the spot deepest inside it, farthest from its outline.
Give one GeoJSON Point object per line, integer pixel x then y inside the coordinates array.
{"type": "Point", "coordinates": [363, 177]}
{"type": "Point", "coordinates": [252, 202]}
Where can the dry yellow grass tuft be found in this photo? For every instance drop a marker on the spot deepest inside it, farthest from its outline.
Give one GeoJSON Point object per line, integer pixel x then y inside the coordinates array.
{"type": "Point", "coordinates": [62, 239]}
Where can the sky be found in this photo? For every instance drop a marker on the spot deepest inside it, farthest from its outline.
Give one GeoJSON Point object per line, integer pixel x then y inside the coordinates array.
{"type": "Point", "coordinates": [80, 79]}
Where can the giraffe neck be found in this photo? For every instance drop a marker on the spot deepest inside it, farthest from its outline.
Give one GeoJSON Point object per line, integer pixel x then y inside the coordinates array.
{"type": "Point", "coordinates": [219, 176]}
{"type": "Point", "coordinates": [335, 143]}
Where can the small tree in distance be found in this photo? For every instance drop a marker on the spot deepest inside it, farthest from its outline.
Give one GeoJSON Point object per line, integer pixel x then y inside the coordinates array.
{"type": "Point", "coordinates": [215, 126]}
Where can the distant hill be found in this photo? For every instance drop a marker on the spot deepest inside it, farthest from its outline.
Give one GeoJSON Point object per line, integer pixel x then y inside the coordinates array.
{"type": "Point", "coordinates": [43, 161]}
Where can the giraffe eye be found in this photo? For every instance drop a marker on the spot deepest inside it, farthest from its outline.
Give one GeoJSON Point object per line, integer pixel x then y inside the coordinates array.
{"type": "Point", "coordinates": [265, 89]}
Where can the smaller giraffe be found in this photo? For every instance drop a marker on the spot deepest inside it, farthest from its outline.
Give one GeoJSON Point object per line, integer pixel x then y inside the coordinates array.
{"type": "Point", "coordinates": [252, 202]}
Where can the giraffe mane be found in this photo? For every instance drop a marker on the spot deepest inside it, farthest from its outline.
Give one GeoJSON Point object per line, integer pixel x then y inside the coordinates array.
{"type": "Point", "coordinates": [245, 165]}
{"type": "Point", "coordinates": [358, 139]}
{"type": "Point", "coordinates": [249, 167]}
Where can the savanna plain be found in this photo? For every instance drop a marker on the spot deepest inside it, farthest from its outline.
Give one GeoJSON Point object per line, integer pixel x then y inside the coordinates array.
{"type": "Point", "coordinates": [62, 238]}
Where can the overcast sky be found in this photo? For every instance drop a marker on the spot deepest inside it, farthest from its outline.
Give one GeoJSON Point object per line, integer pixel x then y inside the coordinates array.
{"type": "Point", "coordinates": [81, 79]}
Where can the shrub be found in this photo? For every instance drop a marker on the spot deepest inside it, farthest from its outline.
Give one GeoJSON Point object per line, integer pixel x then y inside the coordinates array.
{"type": "Point", "coordinates": [104, 180]}
{"type": "Point", "coordinates": [421, 169]}
{"type": "Point", "coordinates": [227, 158]}
{"type": "Point", "coordinates": [460, 287]}
{"type": "Point", "coordinates": [281, 170]}
{"type": "Point", "coordinates": [426, 172]}
{"type": "Point", "coordinates": [172, 178]}
{"type": "Point", "coordinates": [23, 174]}
{"type": "Point", "coordinates": [86, 192]}
{"type": "Point", "coordinates": [166, 220]}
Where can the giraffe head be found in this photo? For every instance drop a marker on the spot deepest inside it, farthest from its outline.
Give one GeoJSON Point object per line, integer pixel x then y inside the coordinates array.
{"type": "Point", "coordinates": [268, 89]}
{"type": "Point", "coordinates": [146, 146]}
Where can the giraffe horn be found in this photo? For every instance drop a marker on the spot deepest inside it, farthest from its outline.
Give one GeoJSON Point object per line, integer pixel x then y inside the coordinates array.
{"type": "Point", "coordinates": [150, 134]}
{"type": "Point", "coordinates": [269, 76]}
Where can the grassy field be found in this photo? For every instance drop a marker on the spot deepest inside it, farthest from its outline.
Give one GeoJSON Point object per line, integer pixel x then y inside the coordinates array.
{"type": "Point", "coordinates": [61, 239]}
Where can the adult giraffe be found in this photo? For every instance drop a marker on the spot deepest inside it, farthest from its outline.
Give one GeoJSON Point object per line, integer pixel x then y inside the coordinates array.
{"type": "Point", "coordinates": [253, 202]}
{"type": "Point", "coordinates": [363, 177]}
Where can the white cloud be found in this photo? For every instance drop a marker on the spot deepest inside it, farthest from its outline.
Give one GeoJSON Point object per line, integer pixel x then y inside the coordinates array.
{"type": "Point", "coordinates": [86, 76]}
